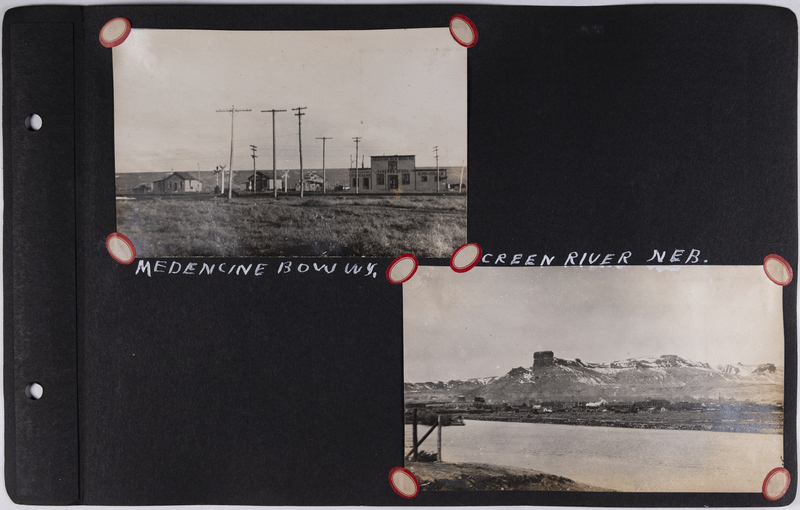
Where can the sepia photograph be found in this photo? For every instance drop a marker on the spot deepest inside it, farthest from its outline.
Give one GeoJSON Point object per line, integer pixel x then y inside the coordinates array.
{"type": "Point", "coordinates": [632, 378]}
{"type": "Point", "coordinates": [291, 143]}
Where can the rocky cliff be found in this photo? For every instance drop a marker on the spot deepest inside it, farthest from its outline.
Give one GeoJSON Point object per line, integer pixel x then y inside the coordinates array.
{"type": "Point", "coordinates": [668, 377]}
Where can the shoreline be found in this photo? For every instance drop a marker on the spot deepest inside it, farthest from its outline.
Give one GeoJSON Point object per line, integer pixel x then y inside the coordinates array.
{"type": "Point", "coordinates": [458, 476]}
{"type": "Point", "coordinates": [635, 422]}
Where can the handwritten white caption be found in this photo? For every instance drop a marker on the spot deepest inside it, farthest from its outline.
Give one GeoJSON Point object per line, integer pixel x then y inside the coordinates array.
{"type": "Point", "coordinates": [575, 258]}
{"type": "Point", "coordinates": [260, 269]}
{"type": "Point", "coordinates": [148, 267]}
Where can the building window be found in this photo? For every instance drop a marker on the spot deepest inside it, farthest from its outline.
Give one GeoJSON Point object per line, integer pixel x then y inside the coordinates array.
{"type": "Point", "coordinates": [380, 179]}
{"type": "Point", "coordinates": [423, 178]}
{"type": "Point", "coordinates": [392, 166]}
{"type": "Point", "coordinates": [355, 183]}
{"type": "Point", "coordinates": [366, 182]}
{"type": "Point", "coordinates": [406, 178]}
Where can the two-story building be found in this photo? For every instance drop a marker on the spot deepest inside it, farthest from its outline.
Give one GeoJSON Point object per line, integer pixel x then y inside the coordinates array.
{"type": "Point", "coordinates": [398, 173]}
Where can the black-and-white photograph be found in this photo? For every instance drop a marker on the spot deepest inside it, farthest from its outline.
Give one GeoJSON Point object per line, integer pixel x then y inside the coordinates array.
{"type": "Point", "coordinates": [635, 378]}
{"type": "Point", "coordinates": [291, 143]}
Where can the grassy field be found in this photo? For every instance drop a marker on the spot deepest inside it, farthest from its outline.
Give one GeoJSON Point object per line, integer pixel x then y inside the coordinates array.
{"type": "Point", "coordinates": [427, 226]}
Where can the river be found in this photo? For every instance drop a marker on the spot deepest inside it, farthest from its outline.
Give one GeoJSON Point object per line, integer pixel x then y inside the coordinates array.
{"type": "Point", "coordinates": [624, 459]}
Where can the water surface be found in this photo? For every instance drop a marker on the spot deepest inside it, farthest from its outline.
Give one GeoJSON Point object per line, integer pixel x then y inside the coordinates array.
{"type": "Point", "coordinates": [624, 459]}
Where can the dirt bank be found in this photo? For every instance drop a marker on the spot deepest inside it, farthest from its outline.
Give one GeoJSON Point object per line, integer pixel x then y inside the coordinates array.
{"type": "Point", "coordinates": [446, 476]}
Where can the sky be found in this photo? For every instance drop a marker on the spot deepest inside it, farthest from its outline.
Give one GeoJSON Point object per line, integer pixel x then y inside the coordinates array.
{"type": "Point", "coordinates": [490, 320]}
{"type": "Point", "coordinates": [402, 91]}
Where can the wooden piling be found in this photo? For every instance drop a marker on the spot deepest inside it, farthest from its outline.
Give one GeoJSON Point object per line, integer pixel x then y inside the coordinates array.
{"type": "Point", "coordinates": [439, 445]}
{"type": "Point", "coordinates": [414, 452]}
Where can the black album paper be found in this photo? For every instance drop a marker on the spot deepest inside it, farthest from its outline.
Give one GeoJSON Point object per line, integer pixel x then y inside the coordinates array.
{"type": "Point", "coordinates": [400, 255]}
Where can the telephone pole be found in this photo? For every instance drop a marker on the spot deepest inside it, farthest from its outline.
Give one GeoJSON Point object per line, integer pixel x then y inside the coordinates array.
{"type": "Point", "coordinates": [323, 160]}
{"type": "Point", "coordinates": [274, 172]}
{"type": "Point", "coordinates": [461, 181]}
{"type": "Point", "coordinates": [357, 139]}
{"type": "Point", "coordinates": [232, 111]}
{"type": "Point", "coordinates": [253, 148]}
{"type": "Point", "coordinates": [299, 115]}
{"type": "Point", "coordinates": [436, 150]}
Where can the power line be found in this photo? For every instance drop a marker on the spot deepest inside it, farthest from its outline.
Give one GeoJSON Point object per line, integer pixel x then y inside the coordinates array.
{"type": "Point", "coordinates": [357, 139]}
{"type": "Point", "coordinates": [299, 115]}
{"type": "Point", "coordinates": [323, 160]}
{"type": "Point", "coordinates": [232, 111]}
{"type": "Point", "coordinates": [254, 148]}
{"type": "Point", "coordinates": [436, 150]}
{"type": "Point", "coordinates": [274, 171]}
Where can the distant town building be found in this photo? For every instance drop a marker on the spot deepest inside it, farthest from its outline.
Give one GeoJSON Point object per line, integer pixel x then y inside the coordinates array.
{"type": "Point", "coordinates": [393, 173]}
{"type": "Point", "coordinates": [263, 182]}
{"type": "Point", "coordinates": [178, 182]}
{"type": "Point", "coordinates": [311, 182]}
{"type": "Point", "coordinates": [543, 359]}
{"type": "Point", "coordinates": [398, 173]}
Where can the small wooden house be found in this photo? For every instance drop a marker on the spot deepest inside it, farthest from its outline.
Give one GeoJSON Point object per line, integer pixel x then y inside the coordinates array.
{"type": "Point", "coordinates": [263, 182]}
{"type": "Point", "coordinates": [178, 182]}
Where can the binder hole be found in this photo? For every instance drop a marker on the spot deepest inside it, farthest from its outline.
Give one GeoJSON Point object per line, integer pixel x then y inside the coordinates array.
{"type": "Point", "coordinates": [34, 391]}
{"type": "Point", "coordinates": [33, 122]}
